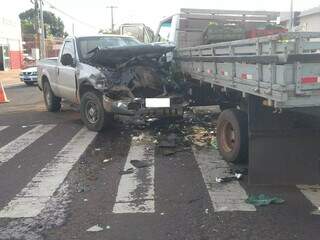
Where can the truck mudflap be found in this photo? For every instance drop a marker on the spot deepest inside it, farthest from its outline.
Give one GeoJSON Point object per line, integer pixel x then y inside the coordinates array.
{"type": "Point", "coordinates": [283, 146]}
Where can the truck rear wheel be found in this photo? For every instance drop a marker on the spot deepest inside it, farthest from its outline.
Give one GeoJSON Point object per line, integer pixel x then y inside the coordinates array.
{"type": "Point", "coordinates": [53, 103]}
{"type": "Point", "coordinates": [92, 112]}
{"type": "Point", "coordinates": [232, 135]}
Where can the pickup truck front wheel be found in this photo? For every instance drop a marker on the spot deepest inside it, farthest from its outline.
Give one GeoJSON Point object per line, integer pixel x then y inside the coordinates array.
{"type": "Point", "coordinates": [92, 112]}
{"type": "Point", "coordinates": [232, 135]}
{"type": "Point", "coordinates": [53, 103]}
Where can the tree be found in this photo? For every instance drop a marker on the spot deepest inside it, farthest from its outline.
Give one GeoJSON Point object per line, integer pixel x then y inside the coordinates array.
{"type": "Point", "coordinates": [53, 24]}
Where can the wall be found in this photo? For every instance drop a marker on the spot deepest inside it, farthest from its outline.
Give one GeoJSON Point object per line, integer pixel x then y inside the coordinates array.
{"type": "Point", "coordinates": [310, 23]}
{"type": "Point", "coordinates": [10, 34]}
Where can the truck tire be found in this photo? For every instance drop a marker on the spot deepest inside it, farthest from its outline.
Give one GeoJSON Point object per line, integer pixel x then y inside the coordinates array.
{"type": "Point", "coordinates": [92, 112]}
{"type": "Point", "coordinates": [53, 103]}
{"type": "Point", "coordinates": [232, 135]}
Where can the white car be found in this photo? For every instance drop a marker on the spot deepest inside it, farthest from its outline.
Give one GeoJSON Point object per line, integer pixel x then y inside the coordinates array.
{"type": "Point", "coordinates": [29, 75]}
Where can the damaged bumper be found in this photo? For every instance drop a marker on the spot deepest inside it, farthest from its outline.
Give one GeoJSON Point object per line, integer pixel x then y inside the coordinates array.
{"type": "Point", "coordinates": [146, 106]}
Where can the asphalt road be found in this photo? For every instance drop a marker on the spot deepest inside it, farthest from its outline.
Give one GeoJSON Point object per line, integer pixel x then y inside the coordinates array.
{"type": "Point", "coordinates": [57, 180]}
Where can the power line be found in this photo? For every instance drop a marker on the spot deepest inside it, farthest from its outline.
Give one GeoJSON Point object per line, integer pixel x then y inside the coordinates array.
{"type": "Point", "coordinates": [70, 16]}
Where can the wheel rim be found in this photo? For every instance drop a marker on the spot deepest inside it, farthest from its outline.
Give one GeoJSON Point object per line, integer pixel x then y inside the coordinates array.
{"type": "Point", "coordinates": [228, 137]}
{"type": "Point", "coordinates": [91, 112]}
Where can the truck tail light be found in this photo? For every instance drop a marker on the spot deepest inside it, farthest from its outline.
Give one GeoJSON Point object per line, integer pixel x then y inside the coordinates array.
{"type": "Point", "coordinates": [310, 79]}
{"type": "Point", "coordinates": [245, 76]}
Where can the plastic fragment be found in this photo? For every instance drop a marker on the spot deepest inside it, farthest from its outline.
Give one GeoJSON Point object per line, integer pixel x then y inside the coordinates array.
{"type": "Point", "coordinates": [235, 177]}
{"type": "Point", "coordinates": [107, 160]}
{"type": "Point", "coordinates": [140, 164]}
{"type": "Point", "coordinates": [263, 200]}
{"type": "Point", "coordinates": [95, 228]}
{"type": "Point", "coordinates": [128, 171]}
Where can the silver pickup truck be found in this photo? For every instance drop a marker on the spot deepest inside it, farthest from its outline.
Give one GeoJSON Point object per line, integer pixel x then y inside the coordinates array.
{"type": "Point", "coordinates": [108, 74]}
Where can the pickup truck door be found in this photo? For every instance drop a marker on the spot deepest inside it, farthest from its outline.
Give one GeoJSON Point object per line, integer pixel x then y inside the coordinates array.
{"type": "Point", "coordinates": [66, 84]}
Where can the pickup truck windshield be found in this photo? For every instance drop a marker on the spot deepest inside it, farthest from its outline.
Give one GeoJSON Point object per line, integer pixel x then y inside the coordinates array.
{"type": "Point", "coordinates": [87, 44]}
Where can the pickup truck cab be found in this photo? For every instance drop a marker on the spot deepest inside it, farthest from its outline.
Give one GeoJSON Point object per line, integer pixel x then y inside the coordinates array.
{"type": "Point", "coordinates": [105, 74]}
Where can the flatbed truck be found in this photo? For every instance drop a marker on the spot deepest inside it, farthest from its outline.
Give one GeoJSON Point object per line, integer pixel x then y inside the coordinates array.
{"type": "Point", "coordinates": [268, 89]}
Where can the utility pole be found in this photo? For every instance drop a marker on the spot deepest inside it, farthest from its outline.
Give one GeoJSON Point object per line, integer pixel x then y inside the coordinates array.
{"type": "Point", "coordinates": [42, 39]}
{"type": "Point", "coordinates": [111, 9]}
{"type": "Point", "coordinates": [291, 17]}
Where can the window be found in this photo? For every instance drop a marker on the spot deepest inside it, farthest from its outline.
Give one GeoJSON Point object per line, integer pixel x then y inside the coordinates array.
{"type": "Point", "coordinates": [88, 44]}
{"type": "Point", "coordinates": [164, 33]}
{"type": "Point", "coordinates": [69, 48]}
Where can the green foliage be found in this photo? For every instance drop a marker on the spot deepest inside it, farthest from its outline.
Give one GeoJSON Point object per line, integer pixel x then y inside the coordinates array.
{"type": "Point", "coordinates": [53, 24]}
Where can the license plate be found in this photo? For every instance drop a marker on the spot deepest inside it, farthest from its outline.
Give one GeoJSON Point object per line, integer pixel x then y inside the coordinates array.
{"type": "Point", "coordinates": [157, 102]}
{"type": "Point", "coordinates": [27, 79]}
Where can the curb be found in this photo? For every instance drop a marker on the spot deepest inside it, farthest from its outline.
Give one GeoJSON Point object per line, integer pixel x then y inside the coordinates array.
{"type": "Point", "coordinates": [13, 85]}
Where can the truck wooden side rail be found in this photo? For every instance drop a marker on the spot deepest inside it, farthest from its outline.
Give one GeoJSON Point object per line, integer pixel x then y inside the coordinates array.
{"type": "Point", "coordinates": [269, 82]}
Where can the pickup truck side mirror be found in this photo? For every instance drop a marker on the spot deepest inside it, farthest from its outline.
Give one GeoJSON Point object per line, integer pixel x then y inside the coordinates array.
{"type": "Point", "coordinates": [67, 60]}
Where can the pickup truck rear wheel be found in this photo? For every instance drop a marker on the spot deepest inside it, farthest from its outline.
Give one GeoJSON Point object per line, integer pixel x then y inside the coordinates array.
{"type": "Point", "coordinates": [92, 112]}
{"type": "Point", "coordinates": [53, 103]}
{"type": "Point", "coordinates": [232, 135]}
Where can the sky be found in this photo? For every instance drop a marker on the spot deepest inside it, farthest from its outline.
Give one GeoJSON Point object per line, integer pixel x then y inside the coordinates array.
{"type": "Point", "coordinates": [90, 16]}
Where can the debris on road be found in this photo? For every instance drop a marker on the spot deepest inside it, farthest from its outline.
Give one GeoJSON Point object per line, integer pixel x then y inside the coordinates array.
{"type": "Point", "coordinates": [95, 228]}
{"type": "Point", "coordinates": [263, 200]}
{"type": "Point", "coordinates": [214, 143]}
{"type": "Point", "coordinates": [128, 171]}
{"type": "Point", "coordinates": [138, 138]}
{"type": "Point", "coordinates": [107, 160]}
{"type": "Point", "coordinates": [140, 164]}
{"type": "Point", "coordinates": [200, 136]}
{"type": "Point", "coordinates": [235, 177]}
{"type": "Point", "coordinates": [243, 171]}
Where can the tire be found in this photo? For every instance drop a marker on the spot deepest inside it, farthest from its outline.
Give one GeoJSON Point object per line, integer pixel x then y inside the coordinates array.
{"type": "Point", "coordinates": [53, 103]}
{"type": "Point", "coordinates": [232, 135]}
{"type": "Point", "coordinates": [92, 112]}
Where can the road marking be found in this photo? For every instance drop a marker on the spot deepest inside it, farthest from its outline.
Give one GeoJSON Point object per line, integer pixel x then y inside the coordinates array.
{"type": "Point", "coordinates": [33, 198]}
{"type": "Point", "coordinates": [224, 196]}
{"type": "Point", "coordinates": [136, 190]}
{"type": "Point", "coordinates": [19, 144]}
{"type": "Point", "coordinates": [312, 193]}
{"type": "Point", "coordinates": [3, 127]}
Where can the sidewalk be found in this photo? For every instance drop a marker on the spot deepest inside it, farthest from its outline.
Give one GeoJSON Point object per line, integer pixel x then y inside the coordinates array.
{"type": "Point", "coordinates": [10, 77]}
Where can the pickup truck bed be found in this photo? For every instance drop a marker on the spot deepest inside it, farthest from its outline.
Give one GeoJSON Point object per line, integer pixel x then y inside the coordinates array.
{"type": "Point", "coordinates": [284, 69]}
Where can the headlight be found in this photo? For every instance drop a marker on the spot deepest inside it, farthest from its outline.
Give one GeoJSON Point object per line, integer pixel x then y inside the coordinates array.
{"type": "Point", "coordinates": [34, 74]}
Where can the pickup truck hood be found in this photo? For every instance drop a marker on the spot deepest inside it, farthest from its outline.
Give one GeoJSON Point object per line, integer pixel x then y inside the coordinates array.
{"type": "Point", "coordinates": [118, 55]}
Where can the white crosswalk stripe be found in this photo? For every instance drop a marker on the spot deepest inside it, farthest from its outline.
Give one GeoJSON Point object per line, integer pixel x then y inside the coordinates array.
{"type": "Point", "coordinates": [3, 127]}
{"type": "Point", "coordinates": [136, 191]}
{"type": "Point", "coordinates": [312, 193]}
{"type": "Point", "coordinates": [19, 144]}
{"type": "Point", "coordinates": [33, 198]}
{"type": "Point", "coordinates": [227, 196]}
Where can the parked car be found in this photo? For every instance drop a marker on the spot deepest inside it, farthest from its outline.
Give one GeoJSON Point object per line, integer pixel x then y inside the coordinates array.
{"type": "Point", "coordinates": [29, 75]}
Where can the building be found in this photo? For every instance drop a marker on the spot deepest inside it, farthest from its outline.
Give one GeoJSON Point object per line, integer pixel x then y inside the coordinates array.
{"type": "Point", "coordinates": [306, 21]}
{"type": "Point", "coordinates": [310, 20]}
{"type": "Point", "coordinates": [11, 56]}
